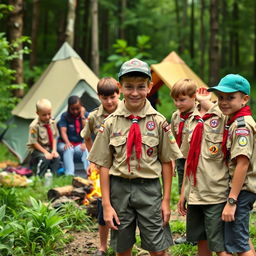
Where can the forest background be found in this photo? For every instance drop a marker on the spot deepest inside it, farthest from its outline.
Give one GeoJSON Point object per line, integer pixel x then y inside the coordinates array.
{"type": "Point", "coordinates": [214, 37]}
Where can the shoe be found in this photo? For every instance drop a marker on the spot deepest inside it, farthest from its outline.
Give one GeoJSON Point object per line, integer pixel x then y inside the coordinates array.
{"type": "Point", "coordinates": [99, 253]}
{"type": "Point", "coordinates": [181, 240]}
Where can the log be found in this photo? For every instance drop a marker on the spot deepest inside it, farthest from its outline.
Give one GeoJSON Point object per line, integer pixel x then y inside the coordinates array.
{"type": "Point", "coordinates": [80, 192]}
{"type": "Point", "coordinates": [55, 193]}
{"type": "Point", "coordinates": [81, 182]}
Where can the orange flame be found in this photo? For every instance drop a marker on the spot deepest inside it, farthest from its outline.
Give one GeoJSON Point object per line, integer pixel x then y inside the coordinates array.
{"type": "Point", "coordinates": [96, 192]}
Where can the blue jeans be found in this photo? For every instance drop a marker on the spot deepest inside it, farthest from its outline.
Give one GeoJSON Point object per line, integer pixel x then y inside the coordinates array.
{"type": "Point", "coordinates": [72, 155]}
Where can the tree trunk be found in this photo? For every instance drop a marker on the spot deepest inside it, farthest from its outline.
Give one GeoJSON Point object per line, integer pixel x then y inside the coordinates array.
{"type": "Point", "coordinates": [192, 30]}
{"type": "Point", "coordinates": [236, 35]}
{"type": "Point", "coordinates": [104, 32]}
{"type": "Point", "coordinates": [202, 39]}
{"type": "Point", "coordinates": [121, 16]}
{"type": "Point", "coordinates": [224, 43]}
{"type": "Point", "coordinates": [15, 25]}
{"type": "Point", "coordinates": [71, 17]}
{"type": "Point", "coordinates": [86, 54]}
{"type": "Point", "coordinates": [214, 45]}
{"type": "Point", "coordinates": [95, 37]}
{"type": "Point", "coordinates": [34, 33]}
{"type": "Point", "coordinates": [254, 61]}
{"type": "Point", "coordinates": [177, 14]}
{"type": "Point", "coordinates": [78, 27]}
{"type": "Point", "coordinates": [184, 25]}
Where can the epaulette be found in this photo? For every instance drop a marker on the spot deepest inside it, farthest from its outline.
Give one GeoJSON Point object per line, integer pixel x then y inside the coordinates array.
{"type": "Point", "coordinates": [240, 122]}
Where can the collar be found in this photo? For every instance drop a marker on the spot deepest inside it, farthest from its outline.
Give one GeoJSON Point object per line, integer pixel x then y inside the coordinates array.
{"type": "Point", "coordinates": [42, 123]}
{"type": "Point", "coordinates": [213, 110]}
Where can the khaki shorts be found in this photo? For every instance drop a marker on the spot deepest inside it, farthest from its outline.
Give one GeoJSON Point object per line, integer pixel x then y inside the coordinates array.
{"type": "Point", "coordinates": [204, 223]}
{"type": "Point", "coordinates": [138, 203]}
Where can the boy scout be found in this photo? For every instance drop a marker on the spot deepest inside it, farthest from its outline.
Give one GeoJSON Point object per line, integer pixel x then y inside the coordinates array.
{"type": "Point", "coordinates": [42, 139]}
{"type": "Point", "coordinates": [239, 150]}
{"type": "Point", "coordinates": [134, 148]}
{"type": "Point", "coordinates": [108, 93]}
{"type": "Point", "coordinates": [206, 182]}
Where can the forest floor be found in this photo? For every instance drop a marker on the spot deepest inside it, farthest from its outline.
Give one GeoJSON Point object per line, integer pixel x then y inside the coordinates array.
{"type": "Point", "coordinates": [86, 243]}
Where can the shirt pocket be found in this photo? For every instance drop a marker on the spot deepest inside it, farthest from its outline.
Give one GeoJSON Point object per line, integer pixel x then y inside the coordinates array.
{"type": "Point", "coordinates": [119, 145]}
{"type": "Point", "coordinates": [150, 145]}
{"type": "Point", "coordinates": [211, 147]}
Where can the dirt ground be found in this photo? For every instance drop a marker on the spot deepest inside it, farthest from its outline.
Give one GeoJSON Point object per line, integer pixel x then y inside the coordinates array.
{"type": "Point", "coordinates": [86, 243]}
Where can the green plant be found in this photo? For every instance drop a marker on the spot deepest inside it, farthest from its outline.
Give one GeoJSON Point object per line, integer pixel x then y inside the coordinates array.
{"type": "Point", "coordinates": [178, 227]}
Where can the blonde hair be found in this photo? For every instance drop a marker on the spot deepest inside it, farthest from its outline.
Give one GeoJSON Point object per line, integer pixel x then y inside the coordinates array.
{"type": "Point", "coordinates": [43, 104]}
{"type": "Point", "coordinates": [184, 87]}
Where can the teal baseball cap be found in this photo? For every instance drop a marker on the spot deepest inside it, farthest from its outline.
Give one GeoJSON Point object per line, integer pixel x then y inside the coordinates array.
{"type": "Point", "coordinates": [134, 65]}
{"type": "Point", "coordinates": [232, 83]}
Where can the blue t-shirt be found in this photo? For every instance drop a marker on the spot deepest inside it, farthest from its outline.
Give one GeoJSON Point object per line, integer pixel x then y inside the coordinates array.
{"type": "Point", "coordinates": [68, 121]}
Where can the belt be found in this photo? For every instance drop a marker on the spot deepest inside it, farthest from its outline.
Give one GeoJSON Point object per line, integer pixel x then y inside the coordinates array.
{"type": "Point", "coordinates": [135, 180]}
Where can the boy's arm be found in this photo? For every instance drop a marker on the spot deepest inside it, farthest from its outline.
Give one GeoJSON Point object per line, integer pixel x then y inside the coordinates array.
{"type": "Point", "coordinates": [182, 202]}
{"type": "Point", "coordinates": [167, 183]}
{"type": "Point", "coordinates": [204, 98]}
{"type": "Point", "coordinates": [38, 147]}
{"type": "Point", "coordinates": [109, 212]}
{"type": "Point", "coordinates": [242, 164]}
{"type": "Point", "coordinates": [88, 143]}
{"type": "Point", "coordinates": [64, 136]}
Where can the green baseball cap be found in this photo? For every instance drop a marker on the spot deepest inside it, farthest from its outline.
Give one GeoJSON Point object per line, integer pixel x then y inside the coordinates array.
{"type": "Point", "coordinates": [134, 65]}
{"type": "Point", "coordinates": [232, 83]}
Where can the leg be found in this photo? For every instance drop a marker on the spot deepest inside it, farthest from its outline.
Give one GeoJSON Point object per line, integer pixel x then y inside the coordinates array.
{"type": "Point", "coordinates": [84, 159]}
{"type": "Point", "coordinates": [126, 253]}
{"type": "Point", "coordinates": [55, 164]}
{"type": "Point", "coordinates": [252, 247]}
{"type": "Point", "coordinates": [103, 232]}
{"type": "Point", "coordinates": [42, 164]}
{"type": "Point", "coordinates": [68, 161]}
{"type": "Point", "coordinates": [161, 253]}
{"type": "Point", "coordinates": [203, 249]}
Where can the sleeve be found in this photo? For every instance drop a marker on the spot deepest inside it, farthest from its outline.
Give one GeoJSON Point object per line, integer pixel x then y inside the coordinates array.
{"type": "Point", "coordinates": [88, 128]}
{"type": "Point", "coordinates": [33, 134]}
{"type": "Point", "coordinates": [173, 123]}
{"type": "Point", "coordinates": [101, 152]}
{"type": "Point", "coordinates": [168, 148]}
{"type": "Point", "coordinates": [63, 122]}
{"type": "Point", "coordinates": [55, 130]}
{"type": "Point", "coordinates": [242, 142]}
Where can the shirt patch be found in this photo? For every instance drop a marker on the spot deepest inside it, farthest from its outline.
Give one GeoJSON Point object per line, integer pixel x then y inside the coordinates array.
{"type": "Point", "coordinates": [101, 129]}
{"type": "Point", "coordinates": [242, 141]}
{"type": "Point", "coordinates": [115, 134]}
{"type": "Point", "coordinates": [172, 139]}
{"type": "Point", "coordinates": [166, 127]}
{"type": "Point", "coordinates": [213, 150]}
{"type": "Point", "coordinates": [32, 131]}
{"type": "Point", "coordinates": [242, 132]}
{"type": "Point", "coordinates": [150, 125]}
{"type": "Point", "coordinates": [151, 134]}
{"type": "Point", "coordinates": [214, 123]}
{"type": "Point", "coordinates": [150, 151]}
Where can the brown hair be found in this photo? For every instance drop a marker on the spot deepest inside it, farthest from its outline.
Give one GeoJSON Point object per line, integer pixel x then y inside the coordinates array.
{"type": "Point", "coordinates": [107, 86]}
{"type": "Point", "coordinates": [134, 77]}
{"type": "Point", "coordinates": [184, 87]}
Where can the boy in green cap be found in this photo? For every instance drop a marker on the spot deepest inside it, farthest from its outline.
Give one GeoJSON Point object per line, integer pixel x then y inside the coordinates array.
{"type": "Point", "coordinates": [239, 151]}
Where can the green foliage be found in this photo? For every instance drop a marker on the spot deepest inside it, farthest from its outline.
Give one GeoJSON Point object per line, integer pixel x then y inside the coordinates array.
{"type": "Point", "coordinates": [124, 52]}
{"type": "Point", "coordinates": [178, 227]}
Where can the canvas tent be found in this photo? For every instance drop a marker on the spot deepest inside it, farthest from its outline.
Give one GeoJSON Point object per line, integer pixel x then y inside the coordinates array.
{"type": "Point", "coordinates": [66, 75]}
{"type": "Point", "coordinates": [171, 69]}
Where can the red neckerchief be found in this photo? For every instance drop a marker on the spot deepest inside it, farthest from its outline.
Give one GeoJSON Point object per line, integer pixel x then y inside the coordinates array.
{"type": "Point", "coordinates": [50, 135]}
{"type": "Point", "coordinates": [134, 138]}
{"type": "Point", "coordinates": [195, 146]}
{"type": "Point", "coordinates": [183, 118]}
{"type": "Point", "coordinates": [244, 111]}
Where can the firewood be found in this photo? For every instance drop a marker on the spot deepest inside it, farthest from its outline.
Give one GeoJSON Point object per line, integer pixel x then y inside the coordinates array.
{"type": "Point", "coordinates": [80, 192]}
{"type": "Point", "coordinates": [81, 182]}
{"type": "Point", "coordinates": [55, 193]}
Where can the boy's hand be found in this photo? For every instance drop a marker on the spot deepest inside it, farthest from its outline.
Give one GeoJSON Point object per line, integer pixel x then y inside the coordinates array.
{"type": "Point", "coordinates": [82, 113]}
{"type": "Point", "coordinates": [111, 218]}
{"type": "Point", "coordinates": [166, 212]}
{"type": "Point", "coordinates": [228, 213]}
{"type": "Point", "coordinates": [90, 168]}
{"type": "Point", "coordinates": [182, 209]}
{"type": "Point", "coordinates": [55, 154]}
{"type": "Point", "coordinates": [202, 94]}
{"type": "Point", "coordinates": [48, 155]}
{"type": "Point", "coordinates": [68, 145]}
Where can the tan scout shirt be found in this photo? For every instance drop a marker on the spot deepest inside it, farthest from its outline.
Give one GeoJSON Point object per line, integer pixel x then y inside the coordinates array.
{"type": "Point", "coordinates": [38, 134]}
{"type": "Point", "coordinates": [158, 145]}
{"type": "Point", "coordinates": [175, 122]}
{"type": "Point", "coordinates": [241, 141]}
{"type": "Point", "coordinates": [94, 122]}
{"type": "Point", "coordinates": [212, 173]}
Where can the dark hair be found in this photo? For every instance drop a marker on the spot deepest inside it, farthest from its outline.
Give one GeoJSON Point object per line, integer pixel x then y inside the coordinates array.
{"type": "Point", "coordinates": [135, 75]}
{"type": "Point", "coordinates": [107, 86]}
{"type": "Point", "coordinates": [73, 100]}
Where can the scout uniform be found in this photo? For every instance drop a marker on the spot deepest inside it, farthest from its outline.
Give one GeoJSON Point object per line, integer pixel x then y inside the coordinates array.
{"type": "Point", "coordinates": [207, 197]}
{"type": "Point", "coordinates": [38, 134]}
{"type": "Point", "coordinates": [131, 183]}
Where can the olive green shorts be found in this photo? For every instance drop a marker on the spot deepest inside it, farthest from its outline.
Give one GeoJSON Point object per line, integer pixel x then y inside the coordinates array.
{"type": "Point", "coordinates": [137, 203]}
{"type": "Point", "coordinates": [204, 223]}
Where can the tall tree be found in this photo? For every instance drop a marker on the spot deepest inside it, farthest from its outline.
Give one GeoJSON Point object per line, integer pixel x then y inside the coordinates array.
{"type": "Point", "coordinates": [192, 30]}
{"type": "Point", "coordinates": [15, 31]}
{"type": "Point", "coordinates": [177, 14]}
{"type": "Point", "coordinates": [121, 15]}
{"type": "Point", "coordinates": [34, 32]}
{"type": "Point", "coordinates": [202, 39]}
{"type": "Point", "coordinates": [236, 34]}
{"type": "Point", "coordinates": [95, 37]}
{"type": "Point", "coordinates": [254, 59]}
{"type": "Point", "coordinates": [224, 33]}
{"type": "Point", "coordinates": [214, 44]}
{"type": "Point", "coordinates": [71, 17]}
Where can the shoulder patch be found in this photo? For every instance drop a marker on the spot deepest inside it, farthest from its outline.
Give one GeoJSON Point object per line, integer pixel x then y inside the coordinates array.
{"type": "Point", "coordinates": [242, 141]}
{"type": "Point", "coordinates": [33, 130]}
{"type": "Point", "coordinates": [102, 128]}
{"type": "Point", "coordinates": [242, 132]}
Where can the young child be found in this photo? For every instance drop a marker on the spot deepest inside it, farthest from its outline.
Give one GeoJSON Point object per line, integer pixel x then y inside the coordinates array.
{"type": "Point", "coordinates": [42, 139]}
{"type": "Point", "coordinates": [239, 151]}
{"type": "Point", "coordinates": [131, 190]}
{"type": "Point", "coordinates": [205, 185]}
{"type": "Point", "coordinates": [71, 145]}
{"type": "Point", "coordinates": [108, 93]}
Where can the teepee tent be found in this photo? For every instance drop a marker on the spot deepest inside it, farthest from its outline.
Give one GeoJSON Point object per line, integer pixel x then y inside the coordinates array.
{"type": "Point", "coordinates": [171, 69]}
{"type": "Point", "coordinates": [66, 75]}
